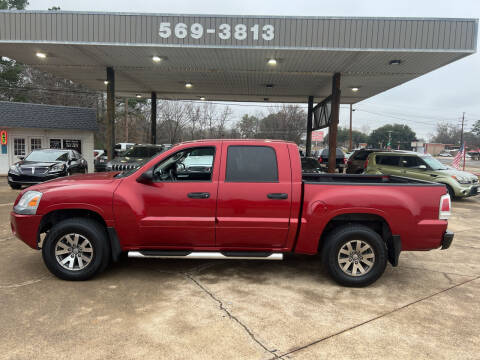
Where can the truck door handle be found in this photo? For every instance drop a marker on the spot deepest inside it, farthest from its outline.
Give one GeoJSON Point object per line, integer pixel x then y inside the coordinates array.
{"type": "Point", "coordinates": [277, 196]}
{"type": "Point", "coordinates": [198, 195]}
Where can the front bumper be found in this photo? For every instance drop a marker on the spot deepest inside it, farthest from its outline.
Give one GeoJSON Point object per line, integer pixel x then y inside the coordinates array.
{"type": "Point", "coordinates": [23, 179]}
{"type": "Point", "coordinates": [467, 190]}
{"type": "Point", "coordinates": [447, 239]}
{"type": "Point", "coordinates": [25, 227]}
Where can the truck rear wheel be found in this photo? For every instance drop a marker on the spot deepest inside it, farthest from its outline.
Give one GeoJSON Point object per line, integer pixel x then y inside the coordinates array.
{"type": "Point", "coordinates": [76, 249]}
{"type": "Point", "coordinates": [354, 255]}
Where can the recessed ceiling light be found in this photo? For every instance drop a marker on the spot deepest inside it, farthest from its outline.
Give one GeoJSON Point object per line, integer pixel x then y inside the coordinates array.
{"type": "Point", "coordinates": [41, 55]}
{"type": "Point", "coordinates": [139, 96]}
{"type": "Point", "coordinates": [269, 86]}
{"type": "Point", "coordinates": [272, 62]}
{"type": "Point", "coordinates": [355, 89]}
{"type": "Point", "coordinates": [202, 98]}
{"type": "Point", "coordinates": [266, 99]}
{"type": "Point", "coordinates": [105, 82]}
{"type": "Point", "coordinates": [188, 85]}
{"type": "Point", "coordinates": [156, 59]}
{"type": "Point", "coordinates": [395, 62]}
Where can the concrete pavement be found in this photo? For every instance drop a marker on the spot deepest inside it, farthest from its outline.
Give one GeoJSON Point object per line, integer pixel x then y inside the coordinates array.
{"type": "Point", "coordinates": [178, 309]}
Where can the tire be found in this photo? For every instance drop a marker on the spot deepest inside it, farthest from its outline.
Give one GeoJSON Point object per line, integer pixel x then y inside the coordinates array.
{"type": "Point", "coordinates": [450, 192]}
{"type": "Point", "coordinates": [88, 260]}
{"type": "Point", "coordinates": [15, 186]}
{"type": "Point", "coordinates": [337, 252]}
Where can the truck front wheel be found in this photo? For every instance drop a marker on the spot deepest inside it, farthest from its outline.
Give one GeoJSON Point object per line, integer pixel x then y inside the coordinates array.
{"type": "Point", "coordinates": [354, 255]}
{"type": "Point", "coordinates": [76, 249]}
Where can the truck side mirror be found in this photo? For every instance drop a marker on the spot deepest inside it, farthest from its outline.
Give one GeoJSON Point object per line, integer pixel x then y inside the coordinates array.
{"type": "Point", "coordinates": [146, 177]}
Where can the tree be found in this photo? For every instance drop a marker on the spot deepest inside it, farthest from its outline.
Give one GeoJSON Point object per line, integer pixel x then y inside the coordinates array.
{"type": "Point", "coordinates": [11, 78]}
{"type": "Point", "coordinates": [447, 134]}
{"type": "Point", "coordinates": [13, 4]}
{"type": "Point", "coordinates": [400, 136]}
{"type": "Point", "coordinates": [248, 126]}
{"type": "Point", "coordinates": [343, 137]}
{"type": "Point", "coordinates": [476, 128]}
{"type": "Point", "coordinates": [287, 123]}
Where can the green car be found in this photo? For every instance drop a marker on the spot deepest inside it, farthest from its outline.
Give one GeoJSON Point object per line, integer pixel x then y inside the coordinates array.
{"type": "Point", "coordinates": [423, 167]}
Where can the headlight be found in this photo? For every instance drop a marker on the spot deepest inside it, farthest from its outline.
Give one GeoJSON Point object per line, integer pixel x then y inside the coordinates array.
{"type": "Point", "coordinates": [28, 203]}
{"type": "Point", "coordinates": [461, 179]}
{"type": "Point", "coordinates": [14, 169]}
{"type": "Point", "coordinates": [57, 168]}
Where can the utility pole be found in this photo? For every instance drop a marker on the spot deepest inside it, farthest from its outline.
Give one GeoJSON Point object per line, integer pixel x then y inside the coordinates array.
{"type": "Point", "coordinates": [389, 145]}
{"type": "Point", "coordinates": [461, 136]}
{"type": "Point", "coordinates": [461, 141]}
{"type": "Point", "coordinates": [350, 143]}
{"type": "Point", "coordinates": [126, 119]}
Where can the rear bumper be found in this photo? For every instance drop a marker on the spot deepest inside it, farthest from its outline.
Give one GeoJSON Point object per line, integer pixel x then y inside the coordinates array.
{"type": "Point", "coordinates": [447, 239]}
{"type": "Point", "coordinates": [25, 227]}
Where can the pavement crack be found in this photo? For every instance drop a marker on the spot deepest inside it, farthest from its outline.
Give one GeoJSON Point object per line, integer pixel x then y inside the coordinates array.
{"type": "Point", "coordinates": [437, 271]}
{"type": "Point", "coordinates": [230, 315]}
{"type": "Point", "coordinates": [376, 318]}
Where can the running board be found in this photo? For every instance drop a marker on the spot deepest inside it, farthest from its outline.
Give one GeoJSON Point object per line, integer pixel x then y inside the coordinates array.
{"type": "Point", "coordinates": [234, 255]}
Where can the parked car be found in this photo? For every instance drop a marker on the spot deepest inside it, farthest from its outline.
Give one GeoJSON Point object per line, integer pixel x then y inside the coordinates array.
{"type": "Point", "coordinates": [45, 164]}
{"type": "Point", "coordinates": [134, 157]}
{"type": "Point", "coordinates": [357, 162]}
{"type": "Point", "coordinates": [122, 147]}
{"type": "Point", "coordinates": [250, 202]}
{"type": "Point", "coordinates": [100, 160]}
{"type": "Point", "coordinates": [424, 167]}
{"type": "Point", "coordinates": [340, 159]}
{"type": "Point", "coordinates": [310, 165]}
{"type": "Point", "coordinates": [445, 154]}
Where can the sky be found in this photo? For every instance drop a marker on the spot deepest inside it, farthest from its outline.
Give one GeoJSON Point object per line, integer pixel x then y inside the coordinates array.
{"type": "Point", "coordinates": [439, 96]}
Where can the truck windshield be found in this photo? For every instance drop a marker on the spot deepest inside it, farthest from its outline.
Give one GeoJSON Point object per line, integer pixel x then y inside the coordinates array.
{"type": "Point", "coordinates": [434, 163]}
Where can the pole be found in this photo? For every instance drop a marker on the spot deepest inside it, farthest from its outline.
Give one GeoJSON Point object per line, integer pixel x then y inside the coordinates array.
{"type": "Point", "coordinates": [464, 154]}
{"type": "Point", "coordinates": [308, 142]}
{"type": "Point", "coordinates": [110, 112]}
{"type": "Point", "coordinates": [333, 129]}
{"type": "Point", "coordinates": [461, 135]}
{"type": "Point", "coordinates": [153, 119]}
{"type": "Point", "coordinates": [350, 144]}
{"type": "Point", "coordinates": [126, 119]}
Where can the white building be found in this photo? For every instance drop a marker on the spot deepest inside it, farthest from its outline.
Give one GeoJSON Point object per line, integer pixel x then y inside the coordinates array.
{"type": "Point", "coordinates": [26, 127]}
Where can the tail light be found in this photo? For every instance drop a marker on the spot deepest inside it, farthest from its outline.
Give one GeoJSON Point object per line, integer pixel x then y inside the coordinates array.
{"type": "Point", "coordinates": [445, 207]}
{"type": "Point", "coordinates": [344, 160]}
{"type": "Point", "coordinates": [365, 164]}
{"type": "Point", "coordinates": [320, 160]}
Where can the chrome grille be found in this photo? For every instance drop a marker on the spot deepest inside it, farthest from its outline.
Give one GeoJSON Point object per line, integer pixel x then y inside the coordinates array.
{"type": "Point", "coordinates": [36, 170]}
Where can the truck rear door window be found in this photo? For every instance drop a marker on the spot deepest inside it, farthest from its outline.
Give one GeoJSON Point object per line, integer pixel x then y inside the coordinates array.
{"type": "Point", "coordinates": [251, 164]}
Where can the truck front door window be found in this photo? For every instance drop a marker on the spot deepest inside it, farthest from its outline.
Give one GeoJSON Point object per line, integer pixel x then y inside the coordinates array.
{"type": "Point", "coordinates": [194, 164]}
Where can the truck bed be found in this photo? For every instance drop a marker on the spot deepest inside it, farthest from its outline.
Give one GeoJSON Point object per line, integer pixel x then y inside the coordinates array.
{"type": "Point", "coordinates": [354, 179]}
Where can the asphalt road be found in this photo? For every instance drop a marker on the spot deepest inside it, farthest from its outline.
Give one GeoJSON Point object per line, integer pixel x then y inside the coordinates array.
{"type": "Point", "coordinates": [427, 308]}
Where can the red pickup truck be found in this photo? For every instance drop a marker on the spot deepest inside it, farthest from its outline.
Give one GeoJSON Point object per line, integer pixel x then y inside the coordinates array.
{"type": "Point", "coordinates": [231, 199]}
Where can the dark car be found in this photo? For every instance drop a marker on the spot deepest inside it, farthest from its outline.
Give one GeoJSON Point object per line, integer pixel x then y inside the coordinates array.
{"type": "Point", "coordinates": [310, 166]}
{"type": "Point", "coordinates": [339, 163]}
{"type": "Point", "coordinates": [45, 164]}
{"type": "Point", "coordinates": [357, 162]}
{"type": "Point", "coordinates": [134, 157]}
{"type": "Point", "coordinates": [100, 160]}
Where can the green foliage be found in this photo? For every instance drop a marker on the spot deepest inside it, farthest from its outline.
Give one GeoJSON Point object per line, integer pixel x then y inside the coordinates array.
{"type": "Point", "coordinates": [54, 8]}
{"type": "Point", "coordinates": [11, 77]}
{"type": "Point", "coordinates": [13, 4]}
{"type": "Point", "coordinates": [248, 126]}
{"type": "Point", "coordinates": [476, 128]}
{"type": "Point", "coordinates": [401, 136]}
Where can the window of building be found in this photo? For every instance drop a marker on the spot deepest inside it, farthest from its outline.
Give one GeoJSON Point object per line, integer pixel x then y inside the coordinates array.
{"type": "Point", "coordinates": [55, 143]}
{"type": "Point", "coordinates": [19, 147]}
{"type": "Point", "coordinates": [251, 164]}
{"type": "Point", "coordinates": [35, 144]}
